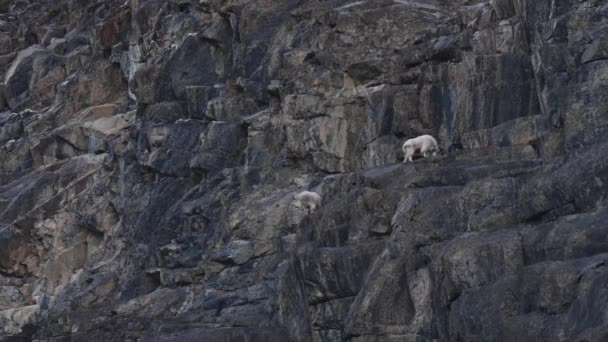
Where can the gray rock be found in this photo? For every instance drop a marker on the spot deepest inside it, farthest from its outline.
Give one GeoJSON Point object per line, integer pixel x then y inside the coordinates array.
{"type": "Point", "coordinates": [150, 151]}
{"type": "Point", "coordinates": [197, 101]}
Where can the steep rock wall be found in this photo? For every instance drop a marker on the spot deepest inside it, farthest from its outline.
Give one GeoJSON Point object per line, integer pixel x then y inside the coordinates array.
{"type": "Point", "coordinates": [151, 149]}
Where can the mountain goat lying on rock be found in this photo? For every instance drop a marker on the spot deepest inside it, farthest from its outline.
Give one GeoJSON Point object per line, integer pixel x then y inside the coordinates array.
{"type": "Point", "coordinates": [307, 199]}
{"type": "Point", "coordinates": [425, 143]}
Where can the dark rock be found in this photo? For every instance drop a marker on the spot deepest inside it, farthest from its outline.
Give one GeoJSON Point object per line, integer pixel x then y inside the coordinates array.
{"type": "Point", "coordinates": [18, 76]}
{"type": "Point", "coordinates": [150, 152]}
{"type": "Point", "coordinates": [192, 64]}
{"type": "Point", "coordinates": [166, 148]}
{"type": "Point", "coordinates": [220, 146]}
{"type": "Point", "coordinates": [164, 112]}
{"type": "Point", "coordinates": [197, 101]}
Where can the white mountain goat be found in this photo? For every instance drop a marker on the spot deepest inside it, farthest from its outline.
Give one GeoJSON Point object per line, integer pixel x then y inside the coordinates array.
{"type": "Point", "coordinates": [307, 199]}
{"type": "Point", "coordinates": [425, 143]}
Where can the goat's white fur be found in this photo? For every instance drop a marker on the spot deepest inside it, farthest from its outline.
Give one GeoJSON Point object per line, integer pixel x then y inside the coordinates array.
{"type": "Point", "coordinates": [425, 143]}
{"type": "Point", "coordinates": [307, 199]}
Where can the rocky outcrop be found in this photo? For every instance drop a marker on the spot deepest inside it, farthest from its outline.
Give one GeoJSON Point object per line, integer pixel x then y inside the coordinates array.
{"type": "Point", "coordinates": [151, 151]}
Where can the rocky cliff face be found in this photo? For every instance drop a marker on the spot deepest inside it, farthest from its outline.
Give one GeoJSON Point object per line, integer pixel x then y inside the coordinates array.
{"type": "Point", "coordinates": [151, 150]}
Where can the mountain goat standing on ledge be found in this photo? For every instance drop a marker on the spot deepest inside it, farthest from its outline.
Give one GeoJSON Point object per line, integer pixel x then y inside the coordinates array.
{"type": "Point", "coordinates": [308, 199]}
{"type": "Point", "coordinates": [425, 143]}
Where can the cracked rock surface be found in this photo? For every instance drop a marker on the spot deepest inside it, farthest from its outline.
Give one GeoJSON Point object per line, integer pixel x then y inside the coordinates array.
{"type": "Point", "coordinates": [150, 151]}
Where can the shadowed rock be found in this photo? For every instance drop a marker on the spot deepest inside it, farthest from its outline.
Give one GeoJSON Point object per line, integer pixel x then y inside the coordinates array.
{"type": "Point", "coordinates": [150, 152]}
